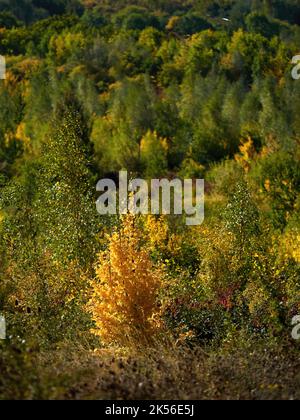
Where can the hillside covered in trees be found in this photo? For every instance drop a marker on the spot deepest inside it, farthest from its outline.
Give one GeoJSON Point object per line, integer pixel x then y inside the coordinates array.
{"type": "Point", "coordinates": [146, 307]}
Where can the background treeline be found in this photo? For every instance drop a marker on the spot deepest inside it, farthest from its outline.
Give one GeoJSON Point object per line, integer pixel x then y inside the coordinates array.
{"type": "Point", "coordinates": [170, 88]}
{"type": "Point", "coordinates": [181, 73]}
{"type": "Point", "coordinates": [28, 11]}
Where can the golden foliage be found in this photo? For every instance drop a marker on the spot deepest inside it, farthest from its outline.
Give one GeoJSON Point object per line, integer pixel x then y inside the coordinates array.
{"type": "Point", "coordinates": [151, 141]}
{"type": "Point", "coordinates": [21, 135]}
{"type": "Point", "coordinates": [160, 238]}
{"type": "Point", "coordinates": [246, 155]}
{"type": "Point", "coordinates": [157, 230]}
{"type": "Point", "coordinates": [10, 80]}
{"type": "Point", "coordinates": [28, 66]}
{"type": "Point", "coordinates": [290, 245]}
{"type": "Point", "coordinates": [123, 302]}
{"type": "Point", "coordinates": [219, 264]}
{"type": "Point", "coordinates": [172, 23]}
{"type": "Point", "coordinates": [259, 302]}
{"type": "Point", "coordinates": [64, 44]}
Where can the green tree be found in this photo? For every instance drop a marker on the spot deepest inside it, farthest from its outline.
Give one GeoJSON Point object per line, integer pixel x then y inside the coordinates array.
{"type": "Point", "coordinates": [260, 24]}
{"type": "Point", "coordinates": [65, 207]}
{"type": "Point", "coordinates": [48, 234]}
{"type": "Point", "coordinates": [154, 155]}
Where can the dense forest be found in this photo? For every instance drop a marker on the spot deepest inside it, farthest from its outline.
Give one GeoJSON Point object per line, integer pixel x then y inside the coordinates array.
{"type": "Point", "coordinates": [145, 307]}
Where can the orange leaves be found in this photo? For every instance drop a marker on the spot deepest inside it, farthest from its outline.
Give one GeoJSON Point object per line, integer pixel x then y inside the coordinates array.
{"type": "Point", "coordinates": [21, 134]}
{"type": "Point", "coordinates": [157, 230]}
{"type": "Point", "coordinates": [123, 303]}
{"type": "Point", "coordinates": [172, 23]}
{"type": "Point", "coordinates": [246, 155]}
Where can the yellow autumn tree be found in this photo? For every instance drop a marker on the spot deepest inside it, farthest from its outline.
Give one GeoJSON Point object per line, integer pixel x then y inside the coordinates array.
{"type": "Point", "coordinates": [124, 295]}
{"type": "Point", "coordinates": [246, 155]}
{"type": "Point", "coordinates": [157, 230]}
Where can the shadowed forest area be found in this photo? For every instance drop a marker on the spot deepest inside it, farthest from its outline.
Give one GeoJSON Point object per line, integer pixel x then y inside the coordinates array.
{"type": "Point", "coordinates": [145, 307]}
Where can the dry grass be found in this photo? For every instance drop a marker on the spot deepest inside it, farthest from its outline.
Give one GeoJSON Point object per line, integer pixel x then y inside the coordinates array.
{"type": "Point", "coordinates": [251, 371]}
